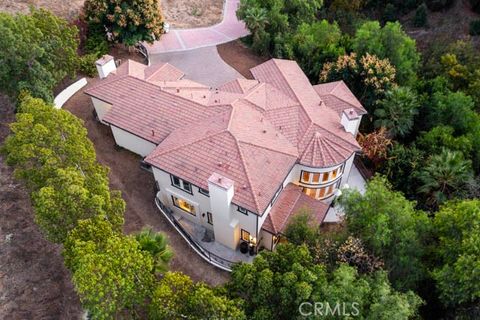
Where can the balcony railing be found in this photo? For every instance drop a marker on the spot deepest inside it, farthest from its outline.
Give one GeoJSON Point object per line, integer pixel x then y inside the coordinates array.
{"type": "Point", "coordinates": [210, 257]}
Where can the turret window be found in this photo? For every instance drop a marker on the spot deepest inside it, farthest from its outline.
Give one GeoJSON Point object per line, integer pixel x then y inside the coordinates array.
{"type": "Point", "coordinates": [320, 177]}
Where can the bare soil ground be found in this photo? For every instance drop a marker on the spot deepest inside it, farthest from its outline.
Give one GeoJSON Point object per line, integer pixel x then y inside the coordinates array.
{"type": "Point", "coordinates": [137, 188]}
{"type": "Point", "coordinates": [34, 283]}
{"type": "Point", "coordinates": [443, 27]}
{"type": "Point", "coordinates": [240, 57]}
{"type": "Point", "coordinates": [192, 13]}
{"type": "Point", "coordinates": [179, 13]}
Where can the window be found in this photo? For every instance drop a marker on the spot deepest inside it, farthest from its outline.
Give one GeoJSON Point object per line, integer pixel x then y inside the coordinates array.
{"type": "Point", "coordinates": [176, 181]}
{"type": "Point", "coordinates": [334, 173]}
{"type": "Point", "coordinates": [306, 176]}
{"type": "Point", "coordinates": [325, 176]}
{"type": "Point", "coordinates": [204, 192]}
{"type": "Point", "coordinates": [316, 178]}
{"type": "Point", "coordinates": [319, 193]}
{"type": "Point", "coordinates": [184, 205]}
{"type": "Point", "coordinates": [243, 210]}
{"type": "Point", "coordinates": [245, 235]}
{"type": "Point", "coordinates": [187, 186]}
{"type": "Point", "coordinates": [181, 184]}
{"type": "Point", "coordinates": [209, 218]}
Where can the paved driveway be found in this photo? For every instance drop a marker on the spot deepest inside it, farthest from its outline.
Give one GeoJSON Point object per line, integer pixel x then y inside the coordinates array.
{"type": "Point", "coordinates": [186, 39]}
{"type": "Point", "coordinates": [203, 65]}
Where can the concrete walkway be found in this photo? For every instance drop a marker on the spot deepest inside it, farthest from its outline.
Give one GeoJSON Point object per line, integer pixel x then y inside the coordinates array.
{"type": "Point", "coordinates": [186, 39]}
{"type": "Point", "coordinates": [203, 65]}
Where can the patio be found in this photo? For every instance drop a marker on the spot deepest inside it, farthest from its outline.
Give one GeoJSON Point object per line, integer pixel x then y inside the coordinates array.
{"type": "Point", "coordinates": [202, 241]}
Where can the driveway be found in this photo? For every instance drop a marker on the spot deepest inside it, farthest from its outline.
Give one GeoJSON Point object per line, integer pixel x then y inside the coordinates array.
{"type": "Point", "coordinates": [186, 39]}
{"type": "Point", "coordinates": [203, 65]}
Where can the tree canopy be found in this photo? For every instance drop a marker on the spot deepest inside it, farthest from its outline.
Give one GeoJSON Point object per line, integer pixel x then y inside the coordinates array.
{"type": "Point", "coordinates": [391, 227]}
{"type": "Point", "coordinates": [128, 22]}
{"type": "Point", "coordinates": [37, 50]}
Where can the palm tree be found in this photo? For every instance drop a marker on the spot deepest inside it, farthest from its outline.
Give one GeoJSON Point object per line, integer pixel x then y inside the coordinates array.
{"type": "Point", "coordinates": [396, 111]}
{"type": "Point", "coordinates": [255, 19]}
{"type": "Point", "coordinates": [156, 244]}
{"type": "Point", "coordinates": [444, 176]}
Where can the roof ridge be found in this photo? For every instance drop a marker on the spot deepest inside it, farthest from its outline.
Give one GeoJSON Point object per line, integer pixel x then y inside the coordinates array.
{"type": "Point", "coordinates": [270, 149]}
{"type": "Point", "coordinates": [330, 142]}
{"type": "Point", "coordinates": [179, 146]}
{"type": "Point", "coordinates": [319, 141]}
{"type": "Point", "coordinates": [291, 211]}
{"type": "Point", "coordinates": [156, 71]}
{"type": "Point", "coordinates": [325, 141]}
{"type": "Point", "coordinates": [242, 161]}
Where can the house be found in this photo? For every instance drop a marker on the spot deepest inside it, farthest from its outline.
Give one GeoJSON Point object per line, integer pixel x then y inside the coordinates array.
{"type": "Point", "coordinates": [240, 159]}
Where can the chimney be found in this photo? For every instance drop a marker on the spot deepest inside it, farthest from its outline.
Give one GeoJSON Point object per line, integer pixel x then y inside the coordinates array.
{"type": "Point", "coordinates": [351, 121]}
{"type": "Point", "coordinates": [225, 226]}
{"type": "Point", "coordinates": [105, 65]}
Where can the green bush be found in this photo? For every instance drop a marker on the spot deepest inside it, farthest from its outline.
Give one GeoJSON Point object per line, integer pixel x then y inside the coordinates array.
{"type": "Point", "coordinates": [86, 64]}
{"type": "Point", "coordinates": [420, 19]}
{"type": "Point", "coordinates": [96, 42]}
{"type": "Point", "coordinates": [475, 28]}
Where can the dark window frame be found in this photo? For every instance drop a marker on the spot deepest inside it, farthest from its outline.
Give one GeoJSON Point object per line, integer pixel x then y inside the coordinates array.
{"type": "Point", "coordinates": [241, 235]}
{"type": "Point", "coordinates": [246, 211]}
{"type": "Point", "coordinates": [175, 205]}
{"type": "Point", "coordinates": [205, 192]}
{"type": "Point", "coordinates": [181, 185]}
{"type": "Point", "coordinates": [210, 218]}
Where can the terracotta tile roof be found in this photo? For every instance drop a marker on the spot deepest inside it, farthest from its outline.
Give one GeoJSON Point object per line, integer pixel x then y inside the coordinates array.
{"type": "Point", "coordinates": [143, 109]}
{"type": "Point", "coordinates": [231, 144]}
{"type": "Point", "coordinates": [338, 97]}
{"type": "Point", "coordinates": [158, 72]}
{"type": "Point", "coordinates": [250, 131]}
{"type": "Point", "coordinates": [289, 203]}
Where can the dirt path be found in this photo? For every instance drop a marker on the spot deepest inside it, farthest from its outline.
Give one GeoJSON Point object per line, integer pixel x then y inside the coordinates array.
{"type": "Point", "coordinates": [137, 190]}
{"type": "Point", "coordinates": [34, 284]}
{"type": "Point", "coordinates": [240, 57]}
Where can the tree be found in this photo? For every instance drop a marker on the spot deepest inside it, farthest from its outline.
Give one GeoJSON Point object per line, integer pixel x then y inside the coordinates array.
{"type": "Point", "coordinates": [177, 297]}
{"type": "Point", "coordinates": [396, 111]}
{"type": "Point", "coordinates": [444, 177]}
{"type": "Point", "coordinates": [420, 19]}
{"type": "Point", "coordinates": [313, 44]}
{"type": "Point", "coordinates": [113, 277]}
{"type": "Point", "coordinates": [367, 76]}
{"type": "Point", "coordinates": [71, 196]}
{"type": "Point", "coordinates": [392, 43]}
{"type": "Point", "coordinates": [280, 21]}
{"type": "Point", "coordinates": [277, 283]}
{"type": "Point", "coordinates": [375, 145]}
{"type": "Point", "coordinates": [156, 244]}
{"type": "Point", "coordinates": [442, 137]}
{"type": "Point", "coordinates": [45, 139]}
{"type": "Point", "coordinates": [36, 52]}
{"type": "Point", "coordinates": [300, 230]}
{"type": "Point", "coordinates": [457, 226]}
{"type": "Point", "coordinates": [403, 162]}
{"type": "Point", "coordinates": [128, 22]}
{"type": "Point", "coordinates": [391, 228]}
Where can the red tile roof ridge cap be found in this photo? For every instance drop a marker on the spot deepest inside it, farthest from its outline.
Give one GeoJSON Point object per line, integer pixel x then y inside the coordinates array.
{"type": "Point", "coordinates": [179, 146]}
{"type": "Point", "coordinates": [164, 64]}
{"type": "Point", "coordinates": [249, 181]}
{"type": "Point", "coordinates": [269, 149]}
{"type": "Point", "coordinates": [364, 111]}
{"type": "Point", "coordinates": [332, 133]}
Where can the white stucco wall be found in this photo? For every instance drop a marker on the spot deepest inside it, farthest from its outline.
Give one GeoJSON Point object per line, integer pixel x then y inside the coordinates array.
{"type": "Point", "coordinates": [101, 108]}
{"type": "Point", "coordinates": [132, 142]}
{"type": "Point", "coordinates": [202, 205]}
{"type": "Point", "coordinates": [68, 92]}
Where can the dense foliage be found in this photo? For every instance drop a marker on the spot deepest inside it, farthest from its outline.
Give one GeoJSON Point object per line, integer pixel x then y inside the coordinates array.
{"type": "Point", "coordinates": [278, 285]}
{"type": "Point", "coordinates": [36, 52]}
{"type": "Point", "coordinates": [128, 22]}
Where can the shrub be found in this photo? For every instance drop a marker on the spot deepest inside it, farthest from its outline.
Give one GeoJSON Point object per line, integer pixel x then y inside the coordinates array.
{"type": "Point", "coordinates": [475, 28]}
{"type": "Point", "coordinates": [86, 65]}
{"type": "Point", "coordinates": [96, 41]}
{"type": "Point", "coordinates": [420, 19]}
{"type": "Point", "coordinates": [390, 13]}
